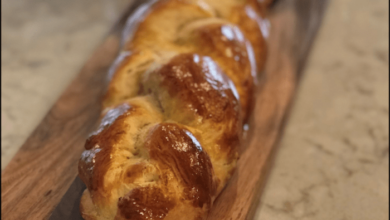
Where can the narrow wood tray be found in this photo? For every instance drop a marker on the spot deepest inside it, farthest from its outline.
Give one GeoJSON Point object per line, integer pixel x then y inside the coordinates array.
{"type": "Point", "coordinates": [43, 169]}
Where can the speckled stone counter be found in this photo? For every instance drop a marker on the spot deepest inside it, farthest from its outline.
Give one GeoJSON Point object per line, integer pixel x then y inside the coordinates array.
{"type": "Point", "coordinates": [333, 162]}
{"type": "Point", "coordinates": [334, 157]}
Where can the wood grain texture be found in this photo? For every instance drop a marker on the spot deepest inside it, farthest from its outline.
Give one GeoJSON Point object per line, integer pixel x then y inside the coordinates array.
{"type": "Point", "coordinates": [45, 166]}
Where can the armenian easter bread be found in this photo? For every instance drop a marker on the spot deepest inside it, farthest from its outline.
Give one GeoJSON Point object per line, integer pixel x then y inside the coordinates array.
{"type": "Point", "coordinates": [179, 93]}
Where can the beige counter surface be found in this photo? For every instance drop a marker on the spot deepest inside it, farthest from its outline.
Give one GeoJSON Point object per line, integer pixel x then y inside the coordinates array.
{"type": "Point", "coordinates": [333, 162]}
{"type": "Point", "coordinates": [334, 157]}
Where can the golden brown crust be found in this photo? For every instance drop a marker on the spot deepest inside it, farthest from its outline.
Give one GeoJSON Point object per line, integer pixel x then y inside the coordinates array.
{"type": "Point", "coordinates": [114, 149]}
{"type": "Point", "coordinates": [254, 27]}
{"type": "Point", "coordinates": [199, 84]}
{"type": "Point", "coordinates": [226, 45]}
{"type": "Point", "coordinates": [185, 178]}
{"type": "Point", "coordinates": [127, 72]}
{"type": "Point", "coordinates": [193, 91]}
{"type": "Point", "coordinates": [161, 26]}
{"type": "Point", "coordinates": [199, 31]}
{"type": "Point", "coordinates": [99, 147]}
{"type": "Point", "coordinates": [144, 203]}
{"type": "Point", "coordinates": [87, 208]}
{"type": "Point", "coordinates": [172, 121]}
{"type": "Point", "coordinates": [176, 149]}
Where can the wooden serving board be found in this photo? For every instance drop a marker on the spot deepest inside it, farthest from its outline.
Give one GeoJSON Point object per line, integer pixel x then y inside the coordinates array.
{"type": "Point", "coordinates": [38, 176]}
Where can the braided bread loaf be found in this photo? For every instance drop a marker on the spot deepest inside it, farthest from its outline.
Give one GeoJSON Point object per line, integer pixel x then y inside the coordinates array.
{"type": "Point", "coordinates": [179, 93]}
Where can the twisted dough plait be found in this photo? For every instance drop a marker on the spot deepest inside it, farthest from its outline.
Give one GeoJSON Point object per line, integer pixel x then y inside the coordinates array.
{"type": "Point", "coordinates": [180, 91]}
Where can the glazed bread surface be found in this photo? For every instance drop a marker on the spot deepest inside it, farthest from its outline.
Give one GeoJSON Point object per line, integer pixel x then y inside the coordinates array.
{"type": "Point", "coordinates": [180, 92]}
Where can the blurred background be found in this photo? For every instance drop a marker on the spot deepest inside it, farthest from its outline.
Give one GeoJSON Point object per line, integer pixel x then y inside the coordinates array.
{"type": "Point", "coordinates": [333, 161]}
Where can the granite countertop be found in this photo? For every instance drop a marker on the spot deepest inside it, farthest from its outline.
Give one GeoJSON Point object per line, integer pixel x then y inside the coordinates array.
{"type": "Point", "coordinates": [333, 162]}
